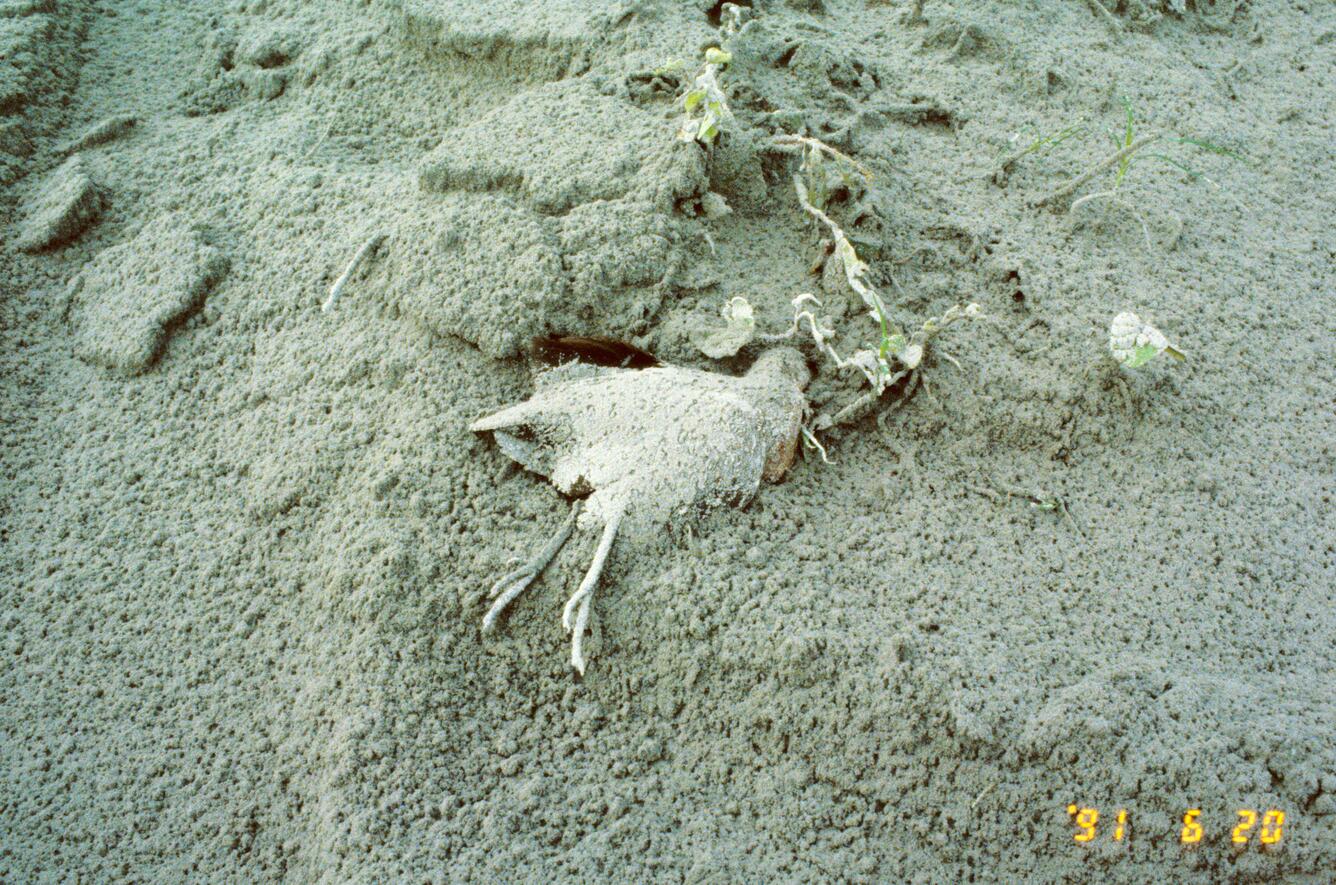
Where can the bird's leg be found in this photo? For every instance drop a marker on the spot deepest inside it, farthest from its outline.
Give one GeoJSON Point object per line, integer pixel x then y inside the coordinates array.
{"type": "Point", "coordinates": [513, 583]}
{"type": "Point", "coordinates": [575, 617]}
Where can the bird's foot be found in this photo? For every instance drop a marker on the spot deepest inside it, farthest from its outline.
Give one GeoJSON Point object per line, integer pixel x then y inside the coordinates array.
{"type": "Point", "coordinates": [513, 583]}
{"type": "Point", "coordinates": [575, 617]}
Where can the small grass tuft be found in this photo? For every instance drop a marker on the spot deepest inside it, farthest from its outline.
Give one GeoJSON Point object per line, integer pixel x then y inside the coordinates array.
{"type": "Point", "coordinates": [1128, 152]}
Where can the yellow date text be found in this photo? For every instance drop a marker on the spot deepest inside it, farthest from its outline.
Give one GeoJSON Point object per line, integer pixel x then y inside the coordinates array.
{"type": "Point", "coordinates": [1250, 827]}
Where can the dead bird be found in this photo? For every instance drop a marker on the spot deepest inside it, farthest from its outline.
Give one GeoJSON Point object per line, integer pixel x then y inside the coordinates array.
{"type": "Point", "coordinates": [644, 447]}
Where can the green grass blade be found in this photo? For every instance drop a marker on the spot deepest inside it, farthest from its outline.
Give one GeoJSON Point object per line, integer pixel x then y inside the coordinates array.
{"type": "Point", "coordinates": [1183, 167]}
{"type": "Point", "coordinates": [1213, 148]}
{"type": "Point", "coordinates": [1127, 142]}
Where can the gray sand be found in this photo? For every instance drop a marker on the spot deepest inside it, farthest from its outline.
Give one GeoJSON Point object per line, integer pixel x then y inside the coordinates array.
{"type": "Point", "coordinates": [245, 542]}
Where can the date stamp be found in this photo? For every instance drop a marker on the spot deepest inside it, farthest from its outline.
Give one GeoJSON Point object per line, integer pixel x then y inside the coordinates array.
{"type": "Point", "coordinates": [1263, 829]}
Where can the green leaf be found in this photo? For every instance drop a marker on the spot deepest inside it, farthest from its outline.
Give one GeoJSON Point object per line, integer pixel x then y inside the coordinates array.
{"type": "Point", "coordinates": [1142, 355]}
{"type": "Point", "coordinates": [1185, 169]}
{"type": "Point", "coordinates": [692, 99]}
{"type": "Point", "coordinates": [716, 56]}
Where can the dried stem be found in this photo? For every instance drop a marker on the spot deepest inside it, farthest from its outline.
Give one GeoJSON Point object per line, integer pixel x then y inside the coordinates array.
{"type": "Point", "coordinates": [816, 144]}
{"type": "Point", "coordinates": [820, 336]}
{"type": "Point", "coordinates": [853, 267]}
{"type": "Point", "coordinates": [337, 289]}
{"type": "Point", "coordinates": [1112, 197]}
{"type": "Point", "coordinates": [1107, 163]}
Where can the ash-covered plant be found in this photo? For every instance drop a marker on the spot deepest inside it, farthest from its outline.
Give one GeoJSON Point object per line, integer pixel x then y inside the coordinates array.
{"type": "Point", "coordinates": [895, 354]}
{"type": "Point", "coordinates": [738, 330]}
{"type": "Point", "coordinates": [704, 103]}
{"type": "Point", "coordinates": [1134, 342]}
{"type": "Point", "coordinates": [1129, 151]}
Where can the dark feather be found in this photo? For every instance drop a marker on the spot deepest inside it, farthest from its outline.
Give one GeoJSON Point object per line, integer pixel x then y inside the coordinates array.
{"type": "Point", "coordinates": [553, 350]}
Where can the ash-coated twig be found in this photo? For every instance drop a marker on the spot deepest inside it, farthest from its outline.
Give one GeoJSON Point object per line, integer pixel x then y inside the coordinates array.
{"type": "Point", "coordinates": [860, 408]}
{"type": "Point", "coordinates": [337, 289]}
{"type": "Point", "coordinates": [790, 142]}
{"type": "Point", "coordinates": [1037, 499]}
{"type": "Point", "coordinates": [1109, 162]}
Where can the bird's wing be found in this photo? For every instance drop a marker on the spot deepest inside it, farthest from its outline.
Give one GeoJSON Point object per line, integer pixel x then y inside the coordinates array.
{"type": "Point", "coordinates": [539, 432]}
{"type": "Point", "coordinates": [517, 415]}
{"type": "Point", "coordinates": [557, 392]}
